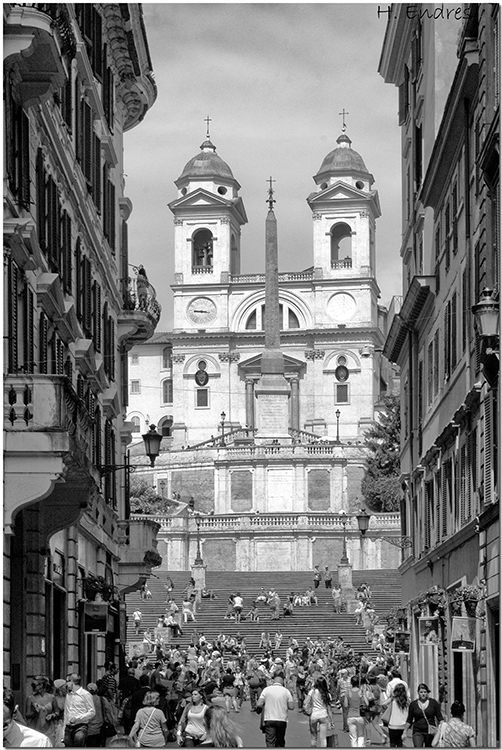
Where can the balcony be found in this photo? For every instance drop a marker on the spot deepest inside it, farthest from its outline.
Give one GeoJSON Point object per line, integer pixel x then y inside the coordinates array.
{"type": "Point", "coordinates": [47, 449]}
{"type": "Point", "coordinates": [138, 536]}
{"type": "Point", "coordinates": [140, 313]}
{"type": "Point", "coordinates": [36, 37]}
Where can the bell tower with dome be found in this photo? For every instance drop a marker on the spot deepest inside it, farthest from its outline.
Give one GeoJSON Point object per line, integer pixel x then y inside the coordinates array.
{"type": "Point", "coordinates": [208, 216]}
{"type": "Point", "coordinates": [344, 212]}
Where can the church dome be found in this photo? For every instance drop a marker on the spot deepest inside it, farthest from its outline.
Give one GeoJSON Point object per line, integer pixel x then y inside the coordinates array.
{"type": "Point", "coordinates": [206, 164]}
{"type": "Point", "coordinates": [343, 158]}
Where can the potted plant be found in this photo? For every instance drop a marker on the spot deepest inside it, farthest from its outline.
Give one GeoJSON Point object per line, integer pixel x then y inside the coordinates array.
{"type": "Point", "coordinates": [96, 587]}
{"type": "Point", "coordinates": [152, 559]}
{"type": "Point", "coordinates": [469, 596]}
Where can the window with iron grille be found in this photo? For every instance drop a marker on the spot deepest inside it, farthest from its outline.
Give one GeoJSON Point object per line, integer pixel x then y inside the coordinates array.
{"type": "Point", "coordinates": [202, 397]}
{"type": "Point", "coordinates": [167, 391]}
{"type": "Point", "coordinates": [342, 393]}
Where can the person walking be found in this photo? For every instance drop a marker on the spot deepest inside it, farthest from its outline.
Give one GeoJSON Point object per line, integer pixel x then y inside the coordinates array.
{"type": "Point", "coordinates": [42, 709]}
{"type": "Point", "coordinates": [191, 728]}
{"type": "Point", "coordinates": [328, 577]}
{"type": "Point", "coordinates": [220, 731]}
{"type": "Point", "coordinates": [276, 701]}
{"type": "Point", "coordinates": [336, 595]}
{"type": "Point", "coordinates": [343, 686]}
{"type": "Point", "coordinates": [15, 734]}
{"type": "Point", "coordinates": [150, 726]}
{"type": "Point", "coordinates": [78, 711]}
{"type": "Point", "coordinates": [398, 715]}
{"type": "Point", "coordinates": [456, 733]}
{"type": "Point", "coordinates": [319, 701]}
{"type": "Point", "coordinates": [238, 605]}
{"type": "Point", "coordinates": [423, 714]}
{"type": "Point", "coordinates": [317, 576]}
{"type": "Point", "coordinates": [352, 700]}
{"type": "Point", "coordinates": [136, 616]}
{"type": "Point", "coordinates": [103, 713]}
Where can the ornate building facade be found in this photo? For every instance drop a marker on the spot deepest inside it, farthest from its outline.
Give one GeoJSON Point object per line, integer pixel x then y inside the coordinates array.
{"type": "Point", "coordinates": [272, 496]}
{"type": "Point", "coordinates": [447, 72]}
{"type": "Point", "coordinates": [76, 77]}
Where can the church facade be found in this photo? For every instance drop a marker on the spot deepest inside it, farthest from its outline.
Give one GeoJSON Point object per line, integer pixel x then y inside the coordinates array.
{"type": "Point", "coordinates": [267, 499]}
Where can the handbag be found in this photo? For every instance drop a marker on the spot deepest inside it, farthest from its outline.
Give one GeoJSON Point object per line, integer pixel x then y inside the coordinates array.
{"type": "Point", "coordinates": [431, 728]}
{"type": "Point", "coordinates": [438, 739]}
{"type": "Point", "coordinates": [107, 728]}
{"type": "Point", "coordinates": [308, 705]}
{"type": "Point", "coordinates": [385, 717]}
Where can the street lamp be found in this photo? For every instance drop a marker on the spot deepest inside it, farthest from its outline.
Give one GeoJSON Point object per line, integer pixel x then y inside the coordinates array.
{"type": "Point", "coordinates": [198, 560]}
{"type": "Point", "coordinates": [363, 522]}
{"type": "Point", "coordinates": [344, 518]}
{"type": "Point", "coordinates": [337, 415]}
{"type": "Point", "coordinates": [152, 441]}
{"type": "Point", "coordinates": [222, 441]}
{"type": "Point", "coordinates": [487, 316]}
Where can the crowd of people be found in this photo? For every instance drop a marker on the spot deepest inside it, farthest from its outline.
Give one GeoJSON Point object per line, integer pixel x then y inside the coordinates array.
{"type": "Point", "coordinates": [187, 695]}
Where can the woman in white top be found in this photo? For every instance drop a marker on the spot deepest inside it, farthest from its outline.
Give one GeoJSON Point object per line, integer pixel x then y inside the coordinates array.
{"type": "Point", "coordinates": [320, 700]}
{"type": "Point", "coordinates": [191, 726]}
{"type": "Point", "coordinates": [399, 705]}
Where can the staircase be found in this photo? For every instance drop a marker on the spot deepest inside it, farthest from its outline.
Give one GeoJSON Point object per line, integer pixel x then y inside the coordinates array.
{"type": "Point", "coordinates": [317, 622]}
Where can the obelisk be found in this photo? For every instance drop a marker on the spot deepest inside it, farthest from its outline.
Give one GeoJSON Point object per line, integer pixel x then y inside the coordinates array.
{"type": "Point", "coordinates": [272, 391]}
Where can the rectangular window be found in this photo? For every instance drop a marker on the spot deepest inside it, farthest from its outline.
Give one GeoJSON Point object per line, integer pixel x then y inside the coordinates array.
{"type": "Point", "coordinates": [341, 393]}
{"type": "Point", "coordinates": [202, 398]}
{"type": "Point", "coordinates": [447, 229]}
{"type": "Point", "coordinates": [167, 392]}
{"type": "Point", "coordinates": [134, 359]}
{"type": "Point", "coordinates": [135, 386]}
{"type": "Point", "coordinates": [430, 373]}
{"type": "Point", "coordinates": [454, 210]}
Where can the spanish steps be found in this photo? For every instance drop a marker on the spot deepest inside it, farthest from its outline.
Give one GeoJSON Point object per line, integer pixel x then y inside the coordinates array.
{"type": "Point", "coordinates": [316, 622]}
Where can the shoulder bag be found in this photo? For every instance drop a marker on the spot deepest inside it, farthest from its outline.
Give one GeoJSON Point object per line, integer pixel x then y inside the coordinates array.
{"type": "Point", "coordinates": [107, 727]}
{"type": "Point", "coordinates": [308, 704]}
{"type": "Point", "coordinates": [438, 739]}
{"type": "Point", "coordinates": [385, 717]}
{"type": "Point", "coordinates": [138, 741]}
{"type": "Point", "coordinates": [431, 728]}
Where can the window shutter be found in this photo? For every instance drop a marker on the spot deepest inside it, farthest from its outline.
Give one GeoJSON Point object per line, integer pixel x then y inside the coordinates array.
{"type": "Point", "coordinates": [111, 325]}
{"type": "Point", "coordinates": [97, 43]}
{"type": "Point", "coordinates": [42, 344]}
{"type": "Point", "coordinates": [87, 284]}
{"type": "Point", "coordinates": [66, 103]}
{"type": "Point", "coordinates": [472, 467]}
{"type": "Point", "coordinates": [487, 459]}
{"type": "Point", "coordinates": [29, 349]}
{"type": "Point", "coordinates": [10, 126]}
{"type": "Point", "coordinates": [438, 478]}
{"type": "Point", "coordinates": [430, 373]}
{"type": "Point", "coordinates": [41, 199]}
{"type": "Point", "coordinates": [12, 321]}
{"type": "Point", "coordinates": [447, 342]}
{"type": "Point", "coordinates": [111, 236]}
{"type": "Point", "coordinates": [444, 500]}
{"type": "Point", "coordinates": [427, 516]}
{"type": "Point", "coordinates": [436, 363]}
{"type": "Point", "coordinates": [87, 143]}
{"type": "Point", "coordinates": [447, 228]}
{"type": "Point", "coordinates": [463, 488]}
{"type": "Point", "coordinates": [24, 165]}
{"type": "Point", "coordinates": [78, 121]}
{"type": "Point", "coordinates": [97, 436]}
{"type": "Point", "coordinates": [67, 253]}
{"type": "Point", "coordinates": [453, 326]}
{"type": "Point", "coordinates": [96, 316]}
{"type": "Point", "coordinates": [96, 184]}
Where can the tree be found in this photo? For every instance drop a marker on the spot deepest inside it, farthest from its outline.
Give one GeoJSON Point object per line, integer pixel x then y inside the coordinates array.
{"type": "Point", "coordinates": [380, 485]}
{"type": "Point", "coordinates": [144, 499]}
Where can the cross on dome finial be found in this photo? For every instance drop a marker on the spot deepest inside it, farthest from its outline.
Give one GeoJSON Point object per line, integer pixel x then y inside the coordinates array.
{"type": "Point", "coordinates": [270, 199]}
{"type": "Point", "coordinates": [207, 120]}
{"type": "Point", "coordinates": [343, 113]}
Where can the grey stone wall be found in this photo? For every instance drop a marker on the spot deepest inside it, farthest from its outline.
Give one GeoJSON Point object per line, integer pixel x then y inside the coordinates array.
{"type": "Point", "coordinates": [318, 489]}
{"type": "Point", "coordinates": [241, 489]}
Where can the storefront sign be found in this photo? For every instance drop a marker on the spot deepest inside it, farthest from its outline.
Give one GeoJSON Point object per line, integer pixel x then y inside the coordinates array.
{"type": "Point", "coordinates": [463, 634]}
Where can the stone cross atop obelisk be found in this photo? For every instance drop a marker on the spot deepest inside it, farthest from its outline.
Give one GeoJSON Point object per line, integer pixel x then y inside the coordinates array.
{"type": "Point", "coordinates": [272, 390]}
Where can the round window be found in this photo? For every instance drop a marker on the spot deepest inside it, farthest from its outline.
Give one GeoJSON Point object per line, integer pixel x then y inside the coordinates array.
{"type": "Point", "coordinates": [202, 364]}
{"type": "Point", "coordinates": [359, 185]}
{"type": "Point", "coordinates": [324, 186]}
{"type": "Point", "coordinates": [222, 190]}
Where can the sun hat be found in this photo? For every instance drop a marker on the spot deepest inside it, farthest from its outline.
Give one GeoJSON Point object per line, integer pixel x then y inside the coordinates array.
{"type": "Point", "coordinates": [59, 683]}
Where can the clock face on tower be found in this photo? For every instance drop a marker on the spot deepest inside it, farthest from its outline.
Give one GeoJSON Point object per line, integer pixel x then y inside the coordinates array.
{"type": "Point", "coordinates": [201, 311]}
{"type": "Point", "coordinates": [341, 306]}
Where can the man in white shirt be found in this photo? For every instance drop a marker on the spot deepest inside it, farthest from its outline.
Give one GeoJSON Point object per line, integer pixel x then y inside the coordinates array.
{"type": "Point", "coordinates": [238, 605]}
{"type": "Point", "coordinates": [396, 680]}
{"type": "Point", "coordinates": [78, 711]}
{"type": "Point", "coordinates": [276, 701]}
{"type": "Point", "coordinates": [136, 616]}
{"type": "Point", "coordinates": [18, 735]}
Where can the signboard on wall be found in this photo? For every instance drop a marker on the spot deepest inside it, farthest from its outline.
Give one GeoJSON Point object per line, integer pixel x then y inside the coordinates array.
{"type": "Point", "coordinates": [428, 628]}
{"type": "Point", "coordinates": [463, 634]}
{"type": "Point", "coordinates": [402, 642]}
{"type": "Point", "coordinates": [96, 617]}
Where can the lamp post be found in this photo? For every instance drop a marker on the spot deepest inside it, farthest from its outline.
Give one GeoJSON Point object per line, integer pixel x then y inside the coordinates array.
{"type": "Point", "coordinates": [152, 441]}
{"type": "Point", "coordinates": [363, 522]}
{"type": "Point", "coordinates": [337, 415]}
{"type": "Point", "coordinates": [222, 441]}
{"type": "Point", "coordinates": [344, 560]}
{"type": "Point", "coordinates": [198, 560]}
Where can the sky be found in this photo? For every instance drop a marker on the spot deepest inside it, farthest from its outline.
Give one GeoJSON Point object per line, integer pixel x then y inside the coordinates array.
{"type": "Point", "coordinates": [273, 78]}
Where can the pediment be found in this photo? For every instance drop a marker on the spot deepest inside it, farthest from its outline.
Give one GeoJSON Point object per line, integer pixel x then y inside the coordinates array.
{"type": "Point", "coordinates": [200, 197]}
{"type": "Point", "coordinates": [338, 190]}
{"type": "Point", "coordinates": [253, 365]}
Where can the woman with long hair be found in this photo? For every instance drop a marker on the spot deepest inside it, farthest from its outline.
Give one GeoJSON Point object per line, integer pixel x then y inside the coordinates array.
{"type": "Point", "coordinates": [220, 731]}
{"type": "Point", "coordinates": [351, 700]}
{"type": "Point", "coordinates": [319, 698]}
{"type": "Point", "coordinates": [150, 725]}
{"type": "Point", "coordinates": [191, 727]}
{"type": "Point", "coordinates": [398, 715]}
